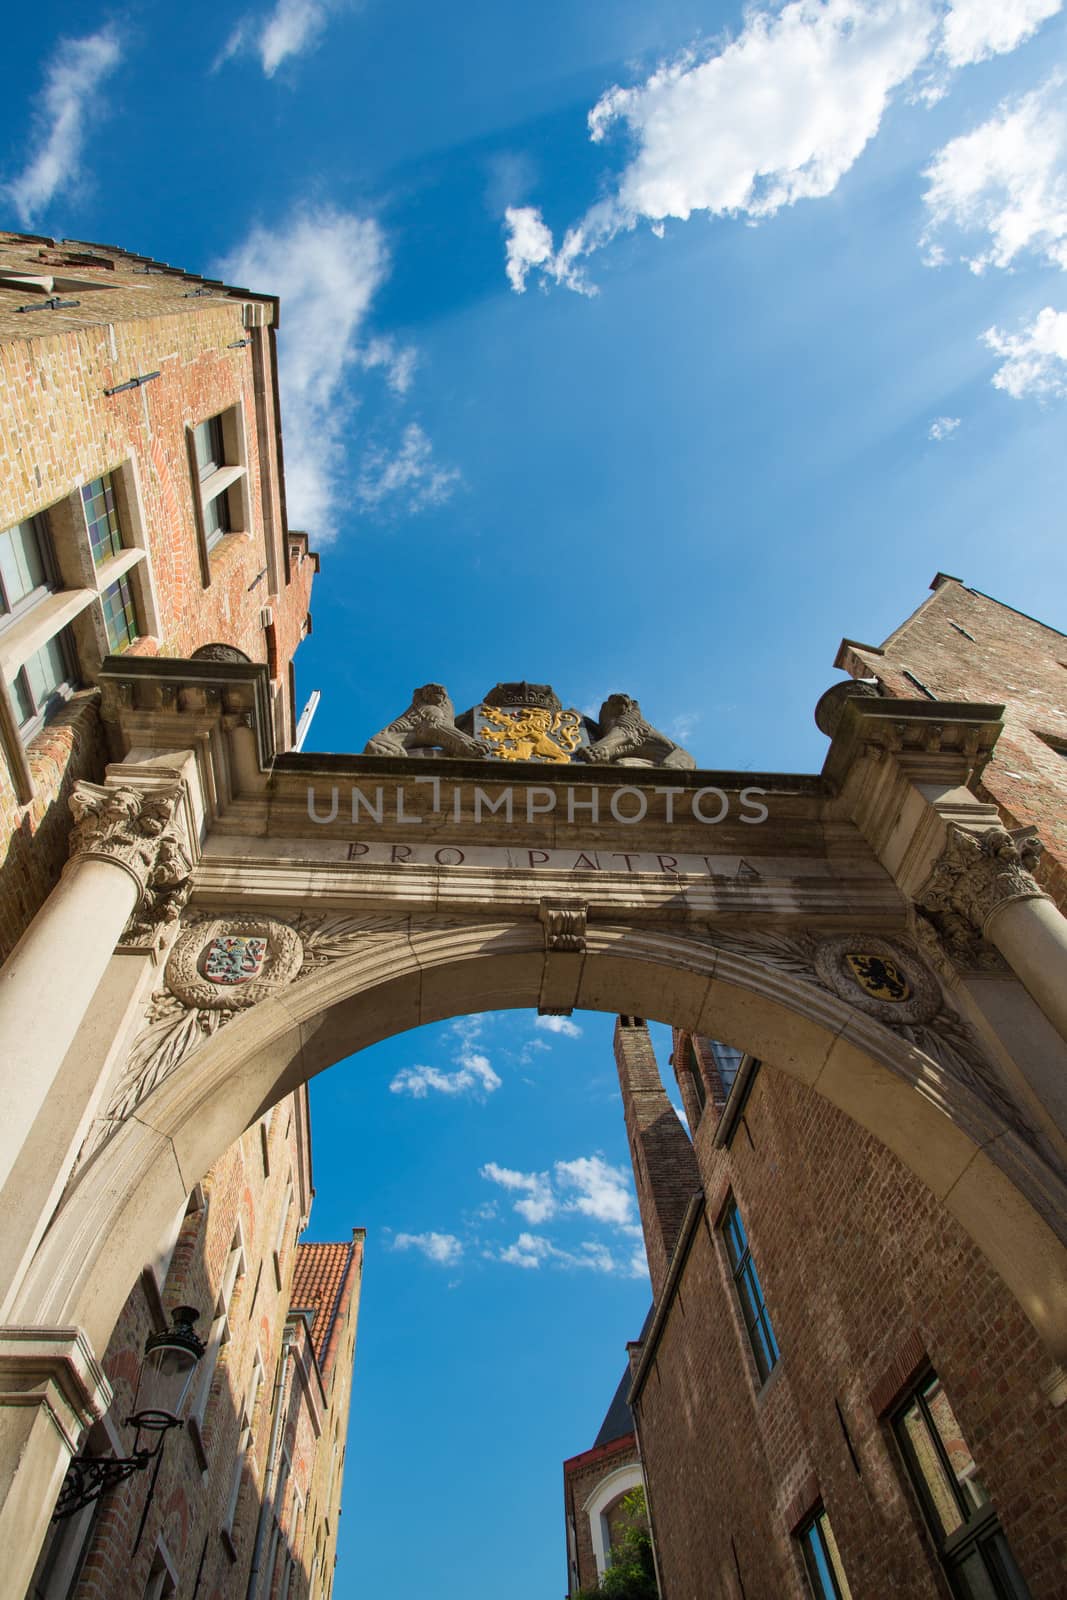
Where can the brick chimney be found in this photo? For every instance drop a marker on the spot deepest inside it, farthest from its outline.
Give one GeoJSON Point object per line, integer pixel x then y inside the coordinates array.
{"type": "Point", "coordinates": [665, 1168]}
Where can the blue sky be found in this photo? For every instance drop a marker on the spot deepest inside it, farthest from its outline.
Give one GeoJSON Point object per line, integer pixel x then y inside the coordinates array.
{"type": "Point", "coordinates": [666, 411]}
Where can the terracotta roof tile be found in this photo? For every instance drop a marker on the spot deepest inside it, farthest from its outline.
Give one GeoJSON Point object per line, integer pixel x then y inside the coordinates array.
{"type": "Point", "coordinates": [320, 1279]}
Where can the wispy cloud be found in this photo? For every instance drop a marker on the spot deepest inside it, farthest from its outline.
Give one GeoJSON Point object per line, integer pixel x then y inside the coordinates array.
{"type": "Point", "coordinates": [442, 1248]}
{"type": "Point", "coordinates": [943, 428]}
{"type": "Point", "coordinates": [1035, 361]}
{"type": "Point", "coordinates": [407, 476]}
{"type": "Point", "coordinates": [563, 1025]}
{"type": "Point", "coordinates": [472, 1073]}
{"type": "Point", "coordinates": [538, 1203]}
{"type": "Point", "coordinates": [531, 1251]}
{"type": "Point", "coordinates": [69, 103]}
{"type": "Point", "coordinates": [327, 266]}
{"type": "Point", "coordinates": [588, 1185]}
{"type": "Point", "coordinates": [292, 28]}
{"type": "Point", "coordinates": [601, 1190]}
{"type": "Point", "coordinates": [974, 30]}
{"type": "Point", "coordinates": [1006, 179]}
{"type": "Point", "coordinates": [778, 114]}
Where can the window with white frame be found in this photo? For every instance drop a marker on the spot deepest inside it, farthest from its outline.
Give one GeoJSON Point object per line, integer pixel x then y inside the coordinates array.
{"type": "Point", "coordinates": [219, 460]}
{"type": "Point", "coordinates": [240, 1462]}
{"type": "Point", "coordinates": [219, 1334]}
{"type": "Point", "coordinates": [283, 1223]}
{"type": "Point", "coordinates": [75, 586]}
{"type": "Point", "coordinates": [162, 1578]}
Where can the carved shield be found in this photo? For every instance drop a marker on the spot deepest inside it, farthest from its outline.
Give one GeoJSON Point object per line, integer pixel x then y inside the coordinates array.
{"type": "Point", "coordinates": [879, 976]}
{"type": "Point", "coordinates": [233, 959]}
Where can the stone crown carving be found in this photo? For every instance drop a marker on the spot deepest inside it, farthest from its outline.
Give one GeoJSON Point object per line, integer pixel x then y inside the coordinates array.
{"type": "Point", "coordinates": [978, 873]}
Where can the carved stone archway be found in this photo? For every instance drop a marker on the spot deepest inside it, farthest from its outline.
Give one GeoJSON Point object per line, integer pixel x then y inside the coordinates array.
{"type": "Point", "coordinates": [871, 930]}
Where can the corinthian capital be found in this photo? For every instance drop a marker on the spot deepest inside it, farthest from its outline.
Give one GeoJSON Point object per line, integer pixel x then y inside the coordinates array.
{"type": "Point", "coordinates": [143, 831]}
{"type": "Point", "coordinates": [978, 873]}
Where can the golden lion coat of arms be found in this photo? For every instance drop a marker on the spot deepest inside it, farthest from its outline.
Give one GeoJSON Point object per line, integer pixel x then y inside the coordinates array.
{"type": "Point", "coordinates": [529, 733]}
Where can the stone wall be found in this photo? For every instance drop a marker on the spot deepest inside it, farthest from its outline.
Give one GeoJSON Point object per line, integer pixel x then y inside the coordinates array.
{"type": "Point", "coordinates": [866, 1276]}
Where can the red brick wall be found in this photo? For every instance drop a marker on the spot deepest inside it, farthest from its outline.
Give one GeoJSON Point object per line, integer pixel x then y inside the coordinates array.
{"type": "Point", "coordinates": [1009, 660]}
{"type": "Point", "coordinates": [58, 430]}
{"type": "Point", "coordinates": [861, 1266]}
{"type": "Point", "coordinates": [581, 1477]}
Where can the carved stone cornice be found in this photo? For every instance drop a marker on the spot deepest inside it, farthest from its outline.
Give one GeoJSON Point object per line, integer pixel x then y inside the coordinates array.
{"type": "Point", "coordinates": [142, 829]}
{"type": "Point", "coordinates": [976, 875]}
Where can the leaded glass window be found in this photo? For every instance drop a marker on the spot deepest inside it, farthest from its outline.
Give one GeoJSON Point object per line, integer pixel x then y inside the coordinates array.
{"type": "Point", "coordinates": [750, 1292]}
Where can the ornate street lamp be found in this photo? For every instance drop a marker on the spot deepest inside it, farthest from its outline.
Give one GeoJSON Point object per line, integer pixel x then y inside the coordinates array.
{"type": "Point", "coordinates": [170, 1359]}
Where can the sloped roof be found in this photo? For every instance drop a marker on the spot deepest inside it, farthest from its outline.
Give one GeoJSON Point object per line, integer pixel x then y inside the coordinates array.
{"type": "Point", "coordinates": [322, 1283]}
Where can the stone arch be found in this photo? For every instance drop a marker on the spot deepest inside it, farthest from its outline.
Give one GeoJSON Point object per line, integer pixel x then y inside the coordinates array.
{"type": "Point", "coordinates": [406, 971]}
{"type": "Point", "coordinates": [599, 1504]}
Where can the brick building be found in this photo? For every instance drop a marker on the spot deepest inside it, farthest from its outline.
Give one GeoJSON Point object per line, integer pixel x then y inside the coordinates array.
{"type": "Point", "coordinates": [837, 1395]}
{"type": "Point", "coordinates": [142, 515]}
{"type": "Point", "coordinates": [595, 1483]}
{"type": "Point", "coordinates": [142, 512]}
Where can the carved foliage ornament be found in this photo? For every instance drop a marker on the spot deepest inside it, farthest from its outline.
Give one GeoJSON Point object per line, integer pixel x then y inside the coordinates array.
{"type": "Point", "coordinates": [141, 830]}
{"type": "Point", "coordinates": [871, 984]}
{"type": "Point", "coordinates": [978, 873]}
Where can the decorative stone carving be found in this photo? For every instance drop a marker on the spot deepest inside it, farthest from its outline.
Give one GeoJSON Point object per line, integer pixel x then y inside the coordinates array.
{"type": "Point", "coordinates": [141, 830]}
{"type": "Point", "coordinates": [428, 725]}
{"type": "Point", "coordinates": [831, 706]}
{"type": "Point", "coordinates": [951, 945]}
{"type": "Point", "coordinates": [219, 652]}
{"type": "Point", "coordinates": [220, 966]}
{"type": "Point", "coordinates": [564, 925]}
{"type": "Point", "coordinates": [975, 875]}
{"type": "Point", "coordinates": [878, 978]}
{"type": "Point", "coordinates": [627, 738]}
{"type": "Point", "coordinates": [937, 1030]}
{"type": "Point", "coordinates": [228, 964]}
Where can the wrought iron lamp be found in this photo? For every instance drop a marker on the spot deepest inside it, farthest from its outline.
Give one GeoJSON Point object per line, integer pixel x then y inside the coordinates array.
{"type": "Point", "coordinates": [167, 1368]}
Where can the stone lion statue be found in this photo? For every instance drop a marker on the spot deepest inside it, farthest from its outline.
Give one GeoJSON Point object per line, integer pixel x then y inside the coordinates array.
{"type": "Point", "coordinates": [428, 723]}
{"type": "Point", "coordinates": [626, 737]}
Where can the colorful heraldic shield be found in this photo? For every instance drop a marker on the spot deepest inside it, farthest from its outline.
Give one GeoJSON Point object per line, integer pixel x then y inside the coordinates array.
{"type": "Point", "coordinates": [233, 958]}
{"type": "Point", "coordinates": [529, 733]}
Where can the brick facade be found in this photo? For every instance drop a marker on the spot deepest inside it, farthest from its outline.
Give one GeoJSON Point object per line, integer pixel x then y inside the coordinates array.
{"type": "Point", "coordinates": [248, 1491]}
{"type": "Point", "coordinates": [867, 1281]}
{"type": "Point", "coordinates": [253, 1480]}
{"type": "Point", "coordinates": [213, 350]}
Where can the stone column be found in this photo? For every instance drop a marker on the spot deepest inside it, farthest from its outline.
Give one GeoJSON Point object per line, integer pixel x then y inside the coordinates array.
{"type": "Point", "coordinates": [129, 870]}
{"type": "Point", "coordinates": [982, 884]}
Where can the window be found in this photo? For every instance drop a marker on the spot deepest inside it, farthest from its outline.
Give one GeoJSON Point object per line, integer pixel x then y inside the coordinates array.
{"type": "Point", "coordinates": [969, 1539]}
{"type": "Point", "coordinates": [218, 458]}
{"type": "Point", "coordinates": [162, 1582]}
{"type": "Point", "coordinates": [749, 1292]}
{"type": "Point", "coordinates": [700, 1088]}
{"type": "Point", "coordinates": [74, 587]}
{"type": "Point", "coordinates": [220, 1333]}
{"type": "Point", "coordinates": [822, 1559]}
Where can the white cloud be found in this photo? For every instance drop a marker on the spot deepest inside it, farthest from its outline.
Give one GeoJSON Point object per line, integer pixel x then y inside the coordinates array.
{"type": "Point", "coordinates": [1035, 360]}
{"type": "Point", "coordinates": [538, 1202]}
{"type": "Point", "coordinates": [943, 428]}
{"type": "Point", "coordinates": [327, 267]}
{"type": "Point", "coordinates": [474, 1075]}
{"type": "Point", "coordinates": [777, 115]}
{"type": "Point", "coordinates": [531, 1251]}
{"type": "Point", "coordinates": [603, 1190]}
{"type": "Point", "coordinates": [69, 100]}
{"type": "Point", "coordinates": [293, 28]}
{"type": "Point", "coordinates": [684, 726]}
{"type": "Point", "coordinates": [976, 29]}
{"type": "Point", "coordinates": [563, 1025]}
{"type": "Point", "coordinates": [1007, 179]}
{"type": "Point", "coordinates": [408, 475]}
{"type": "Point", "coordinates": [443, 1248]}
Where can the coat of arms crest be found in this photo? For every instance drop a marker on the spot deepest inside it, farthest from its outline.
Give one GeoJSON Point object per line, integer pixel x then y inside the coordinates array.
{"type": "Point", "coordinates": [526, 722]}
{"type": "Point", "coordinates": [231, 959]}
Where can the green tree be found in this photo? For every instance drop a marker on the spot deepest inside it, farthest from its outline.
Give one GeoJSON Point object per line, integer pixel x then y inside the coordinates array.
{"type": "Point", "coordinates": [632, 1573]}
